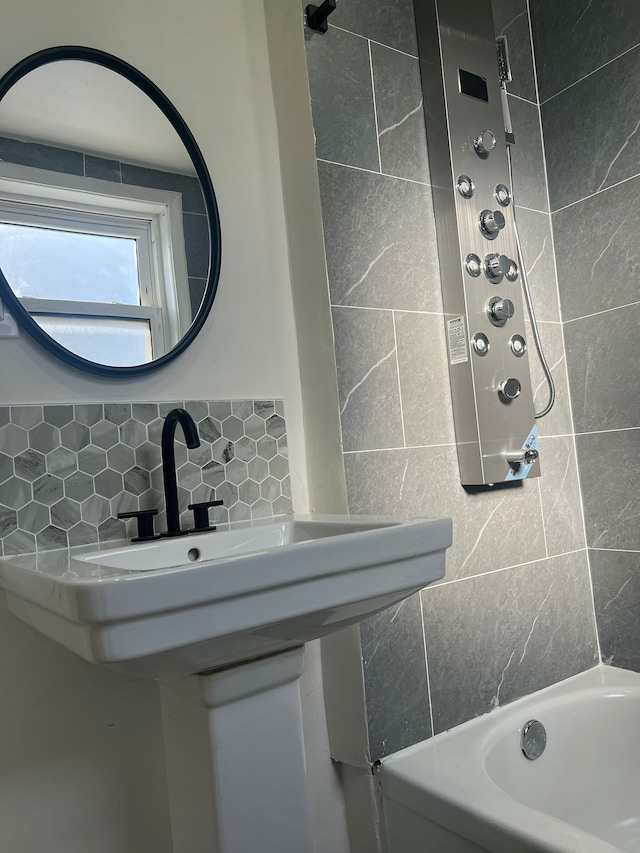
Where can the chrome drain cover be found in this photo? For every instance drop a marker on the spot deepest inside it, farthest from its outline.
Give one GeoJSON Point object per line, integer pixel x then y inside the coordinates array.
{"type": "Point", "coordinates": [533, 739]}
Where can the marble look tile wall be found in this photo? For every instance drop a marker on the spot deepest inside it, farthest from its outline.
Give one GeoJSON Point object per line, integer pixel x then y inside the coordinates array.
{"type": "Point", "coordinates": [67, 470]}
{"type": "Point", "coordinates": [588, 60]}
{"type": "Point", "coordinates": [515, 611]}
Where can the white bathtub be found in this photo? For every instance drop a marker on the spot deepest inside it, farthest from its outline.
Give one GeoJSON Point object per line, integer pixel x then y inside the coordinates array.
{"type": "Point", "coordinates": [472, 789]}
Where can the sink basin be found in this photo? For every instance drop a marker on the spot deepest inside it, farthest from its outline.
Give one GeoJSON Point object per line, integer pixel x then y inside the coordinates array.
{"type": "Point", "coordinates": [203, 601]}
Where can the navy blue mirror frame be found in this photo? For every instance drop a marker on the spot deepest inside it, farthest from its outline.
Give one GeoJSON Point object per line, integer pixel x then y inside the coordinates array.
{"type": "Point", "coordinates": [119, 66]}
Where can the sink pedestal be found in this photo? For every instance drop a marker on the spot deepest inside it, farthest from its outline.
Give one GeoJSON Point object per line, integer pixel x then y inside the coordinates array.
{"type": "Point", "coordinates": [235, 758]}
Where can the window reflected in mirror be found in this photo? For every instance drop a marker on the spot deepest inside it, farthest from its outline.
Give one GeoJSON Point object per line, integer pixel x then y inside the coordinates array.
{"type": "Point", "coordinates": [105, 236]}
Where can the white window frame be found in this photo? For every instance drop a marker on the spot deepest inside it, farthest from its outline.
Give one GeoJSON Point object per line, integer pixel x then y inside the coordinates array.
{"type": "Point", "coordinates": [152, 217]}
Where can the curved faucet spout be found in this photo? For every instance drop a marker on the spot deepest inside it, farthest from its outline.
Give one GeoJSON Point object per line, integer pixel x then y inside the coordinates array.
{"type": "Point", "coordinates": [175, 417]}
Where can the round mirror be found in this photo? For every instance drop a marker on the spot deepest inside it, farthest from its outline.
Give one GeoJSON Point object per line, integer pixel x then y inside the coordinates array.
{"type": "Point", "coordinates": [109, 228]}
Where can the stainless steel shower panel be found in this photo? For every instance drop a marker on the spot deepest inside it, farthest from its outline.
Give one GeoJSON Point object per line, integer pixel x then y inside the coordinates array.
{"type": "Point", "coordinates": [490, 382]}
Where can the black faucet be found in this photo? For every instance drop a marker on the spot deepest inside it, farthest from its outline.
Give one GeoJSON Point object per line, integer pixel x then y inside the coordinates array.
{"type": "Point", "coordinates": [175, 417]}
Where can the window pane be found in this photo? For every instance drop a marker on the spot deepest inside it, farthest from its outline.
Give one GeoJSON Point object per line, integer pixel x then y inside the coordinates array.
{"type": "Point", "coordinates": [47, 263]}
{"type": "Point", "coordinates": [105, 340]}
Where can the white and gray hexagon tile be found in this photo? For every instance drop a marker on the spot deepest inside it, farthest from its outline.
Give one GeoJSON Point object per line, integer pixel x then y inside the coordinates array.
{"type": "Point", "coordinates": [67, 470]}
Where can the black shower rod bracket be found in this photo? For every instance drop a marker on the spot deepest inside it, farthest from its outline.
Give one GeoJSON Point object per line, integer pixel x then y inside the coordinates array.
{"type": "Point", "coordinates": [317, 15]}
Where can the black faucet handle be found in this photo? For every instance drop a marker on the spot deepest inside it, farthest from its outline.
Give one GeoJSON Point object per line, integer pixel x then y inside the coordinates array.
{"type": "Point", "coordinates": [144, 517]}
{"type": "Point", "coordinates": [201, 516]}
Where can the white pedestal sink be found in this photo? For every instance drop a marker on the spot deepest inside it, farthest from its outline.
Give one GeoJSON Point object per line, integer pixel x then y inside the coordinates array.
{"type": "Point", "coordinates": [220, 619]}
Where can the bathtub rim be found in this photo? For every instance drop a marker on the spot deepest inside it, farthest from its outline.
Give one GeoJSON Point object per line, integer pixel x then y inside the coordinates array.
{"type": "Point", "coordinates": [458, 794]}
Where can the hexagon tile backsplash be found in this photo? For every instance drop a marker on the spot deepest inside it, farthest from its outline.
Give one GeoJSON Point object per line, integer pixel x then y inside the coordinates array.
{"type": "Point", "coordinates": [67, 470]}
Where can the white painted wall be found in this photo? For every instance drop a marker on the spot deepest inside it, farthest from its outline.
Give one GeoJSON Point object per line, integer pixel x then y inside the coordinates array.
{"type": "Point", "coordinates": [81, 756]}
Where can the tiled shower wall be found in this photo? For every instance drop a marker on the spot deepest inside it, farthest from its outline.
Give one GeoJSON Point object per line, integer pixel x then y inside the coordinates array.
{"type": "Point", "coordinates": [66, 471]}
{"type": "Point", "coordinates": [588, 58]}
{"type": "Point", "coordinates": [515, 611]}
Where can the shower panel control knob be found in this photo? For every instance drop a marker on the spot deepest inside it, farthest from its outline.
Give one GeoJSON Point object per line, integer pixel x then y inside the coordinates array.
{"type": "Point", "coordinates": [509, 389]}
{"type": "Point", "coordinates": [484, 143]}
{"type": "Point", "coordinates": [500, 310]}
{"type": "Point", "coordinates": [491, 223]}
{"type": "Point", "coordinates": [496, 267]}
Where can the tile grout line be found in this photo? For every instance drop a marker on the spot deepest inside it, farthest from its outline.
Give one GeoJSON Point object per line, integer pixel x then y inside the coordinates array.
{"type": "Point", "coordinates": [615, 550]}
{"type": "Point", "coordinates": [374, 41]}
{"type": "Point", "coordinates": [606, 431]}
{"type": "Point", "coordinates": [426, 662]}
{"type": "Point", "coordinates": [574, 445]}
{"type": "Point", "coordinates": [507, 568]}
{"type": "Point", "coordinates": [372, 172]}
{"type": "Point", "coordinates": [395, 342]}
{"type": "Point", "coordinates": [544, 521]}
{"type": "Point", "coordinates": [604, 311]}
{"type": "Point", "coordinates": [416, 311]}
{"type": "Point", "coordinates": [596, 193]}
{"type": "Point", "coordinates": [591, 73]}
{"type": "Point", "coordinates": [395, 449]}
{"type": "Point", "coordinates": [375, 106]}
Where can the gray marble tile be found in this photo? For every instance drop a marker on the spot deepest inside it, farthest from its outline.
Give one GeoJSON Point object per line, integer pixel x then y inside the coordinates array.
{"type": "Point", "coordinates": [8, 521]}
{"type": "Point", "coordinates": [380, 241]}
{"type": "Point", "coordinates": [497, 637]}
{"type": "Point", "coordinates": [30, 465]}
{"type": "Point", "coordinates": [74, 436]}
{"type": "Point", "coordinates": [584, 156]}
{"type": "Point", "coordinates": [602, 371]}
{"type": "Point", "coordinates": [573, 39]}
{"type": "Point", "coordinates": [561, 498]}
{"type": "Point", "coordinates": [424, 386]}
{"type": "Point", "coordinates": [537, 248]}
{"type": "Point", "coordinates": [511, 19]}
{"type": "Point", "coordinates": [401, 132]}
{"type": "Point", "coordinates": [597, 251]}
{"type": "Point", "coordinates": [82, 534]}
{"type": "Point", "coordinates": [6, 467]}
{"type": "Point", "coordinates": [389, 22]}
{"type": "Point", "coordinates": [44, 438]}
{"type": "Point", "coordinates": [367, 367]}
{"type": "Point", "coordinates": [616, 592]}
{"type": "Point", "coordinates": [50, 538]}
{"type": "Point", "coordinates": [81, 485]}
{"type": "Point", "coordinates": [88, 413]}
{"type": "Point", "coordinates": [26, 416]}
{"type": "Point", "coordinates": [62, 462]}
{"type": "Point", "coordinates": [104, 434]}
{"type": "Point", "coordinates": [117, 413]}
{"type": "Point", "coordinates": [559, 420]}
{"type": "Point", "coordinates": [188, 187]}
{"type": "Point", "coordinates": [196, 244]}
{"type": "Point", "coordinates": [48, 489]}
{"type": "Point", "coordinates": [395, 668]}
{"type": "Point", "coordinates": [19, 542]}
{"type": "Point", "coordinates": [65, 514]}
{"type": "Point", "coordinates": [529, 183]}
{"type": "Point", "coordinates": [342, 99]}
{"type": "Point", "coordinates": [78, 486]}
{"type": "Point", "coordinates": [16, 493]}
{"type": "Point", "coordinates": [146, 412]}
{"type": "Point", "coordinates": [41, 156]}
{"type": "Point", "coordinates": [58, 415]}
{"type": "Point", "coordinates": [611, 499]}
{"type": "Point", "coordinates": [100, 167]}
{"type": "Point", "coordinates": [92, 459]}
{"type": "Point", "coordinates": [487, 526]}
{"type": "Point", "coordinates": [34, 517]}
{"type": "Point", "coordinates": [13, 439]}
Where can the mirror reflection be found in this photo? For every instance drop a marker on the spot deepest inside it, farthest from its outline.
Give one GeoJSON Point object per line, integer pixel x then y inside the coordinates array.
{"type": "Point", "coordinates": [104, 233]}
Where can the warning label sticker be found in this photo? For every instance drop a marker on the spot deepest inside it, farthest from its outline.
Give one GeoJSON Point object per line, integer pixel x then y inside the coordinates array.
{"type": "Point", "coordinates": [457, 334]}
